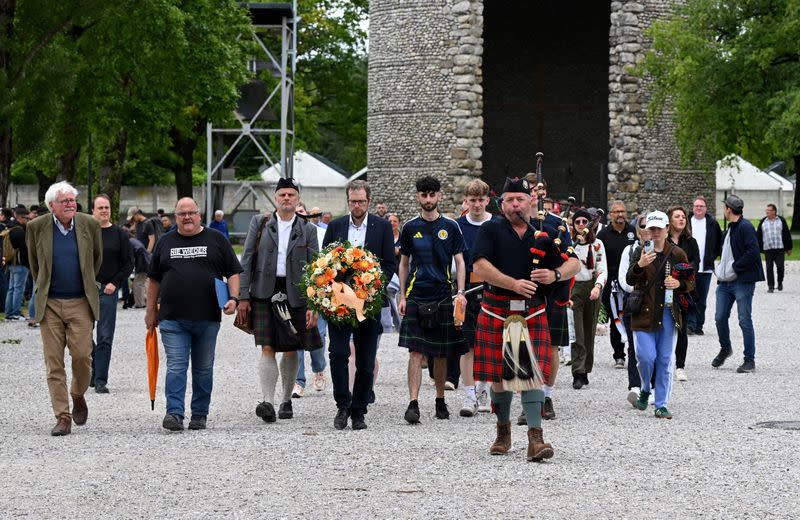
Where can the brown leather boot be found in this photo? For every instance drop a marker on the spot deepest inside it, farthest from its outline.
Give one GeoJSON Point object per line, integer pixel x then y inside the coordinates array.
{"type": "Point", "coordinates": [62, 427]}
{"type": "Point", "coordinates": [537, 448]}
{"type": "Point", "coordinates": [80, 412]}
{"type": "Point", "coordinates": [502, 443]}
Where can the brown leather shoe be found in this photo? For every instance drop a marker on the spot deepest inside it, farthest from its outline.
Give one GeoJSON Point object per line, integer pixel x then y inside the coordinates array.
{"type": "Point", "coordinates": [80, 412]}
{"type": "Point", "coordinates": [62, 427]}
{"type": "Point", "coordinates": [537, 448]}
{"type": "Point", "coordinates": [502, 443]}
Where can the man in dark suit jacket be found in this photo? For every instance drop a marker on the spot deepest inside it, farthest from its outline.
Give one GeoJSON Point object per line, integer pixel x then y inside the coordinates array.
{"type": "Point", "coordinates": [375, 234]}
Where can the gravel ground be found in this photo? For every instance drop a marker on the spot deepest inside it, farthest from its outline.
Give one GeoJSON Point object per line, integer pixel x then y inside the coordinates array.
{"type": "Point", "coordinates": [611, 461]}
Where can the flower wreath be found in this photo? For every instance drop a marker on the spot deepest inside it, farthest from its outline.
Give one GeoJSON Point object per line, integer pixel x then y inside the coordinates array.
{"type": "Point", "coordinates": [343, 283]}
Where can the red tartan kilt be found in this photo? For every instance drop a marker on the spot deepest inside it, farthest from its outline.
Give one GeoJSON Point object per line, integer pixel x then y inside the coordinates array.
{"type": "Point", "coordinates": [488, 364]}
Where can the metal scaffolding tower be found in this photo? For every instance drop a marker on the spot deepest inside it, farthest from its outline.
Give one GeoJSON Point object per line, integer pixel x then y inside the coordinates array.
{"type": "Point", "coordinates": [256, 118]}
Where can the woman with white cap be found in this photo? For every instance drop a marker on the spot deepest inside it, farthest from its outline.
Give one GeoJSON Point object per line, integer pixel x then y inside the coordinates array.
{"type": "Point", "coordinates": [656, 322]}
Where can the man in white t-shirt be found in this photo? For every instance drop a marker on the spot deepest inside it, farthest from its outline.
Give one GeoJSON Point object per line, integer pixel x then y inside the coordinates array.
{"type": "Point", "coordinates": [707, 233]}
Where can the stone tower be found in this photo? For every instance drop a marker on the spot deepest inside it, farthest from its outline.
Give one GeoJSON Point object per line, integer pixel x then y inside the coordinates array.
{"type": "Point", "coordinates": [470, 88]}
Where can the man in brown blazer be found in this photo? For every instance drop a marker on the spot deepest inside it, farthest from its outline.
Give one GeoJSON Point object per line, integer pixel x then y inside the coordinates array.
{"type": "Point", "coordinates": [65, 251]}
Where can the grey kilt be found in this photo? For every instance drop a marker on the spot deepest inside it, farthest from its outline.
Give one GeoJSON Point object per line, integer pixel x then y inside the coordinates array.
{"type": "Point", "coordinates": [264, 330]}
{"type": "Point", "coordinates": [435, 342]}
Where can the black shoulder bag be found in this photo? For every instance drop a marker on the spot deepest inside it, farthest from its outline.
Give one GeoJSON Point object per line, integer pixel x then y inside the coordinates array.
{"type": "Point", "coordinates": [636, 298]}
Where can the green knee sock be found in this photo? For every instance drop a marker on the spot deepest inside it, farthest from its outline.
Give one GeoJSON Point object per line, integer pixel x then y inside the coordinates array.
{"type": "Point", "coordinates": [502, 404]}
{"type": "Point", "coordinates": [532, 406]}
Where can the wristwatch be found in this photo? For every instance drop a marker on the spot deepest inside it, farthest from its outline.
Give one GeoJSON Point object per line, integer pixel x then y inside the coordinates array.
{"type": "Point", "coordinates": [558, 274]}
{"type": "Point", "coordinates": [234, 298]}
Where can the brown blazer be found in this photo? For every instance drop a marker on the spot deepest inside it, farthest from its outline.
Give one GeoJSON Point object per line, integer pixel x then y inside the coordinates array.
{"type": "Point", "coordinates": [39, 238]}
{"type": "Point", "coordinates": [649, 317]}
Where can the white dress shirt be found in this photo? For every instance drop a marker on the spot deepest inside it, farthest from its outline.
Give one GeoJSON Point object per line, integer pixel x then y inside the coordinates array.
{"type": "Point", "coordinates": [357, 235]}
{"type": "Point", "coordinates": [284, 232]}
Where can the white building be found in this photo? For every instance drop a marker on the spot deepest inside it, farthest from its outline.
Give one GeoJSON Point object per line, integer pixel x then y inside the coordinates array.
{"type": "Point", "coordinates": [756, 187]}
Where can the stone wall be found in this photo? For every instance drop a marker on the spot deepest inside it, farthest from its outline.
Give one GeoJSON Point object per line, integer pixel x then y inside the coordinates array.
{"type": "Point", "coordinates": [644, 164]}
{"type": "Point", "coordinates": [426, 106]}
{"type": "Point", "coordinates": [425, 100]}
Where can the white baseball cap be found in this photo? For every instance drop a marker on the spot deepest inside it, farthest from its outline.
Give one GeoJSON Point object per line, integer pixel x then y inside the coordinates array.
{"type": "Point", "coordinates": [656, 219]}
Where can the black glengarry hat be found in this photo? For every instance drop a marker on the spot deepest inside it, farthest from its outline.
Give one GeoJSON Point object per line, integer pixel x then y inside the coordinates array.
{"type": "Point", "coordinates": [287, 183]}
{"type": "Point", "coordinates": [516, 185]}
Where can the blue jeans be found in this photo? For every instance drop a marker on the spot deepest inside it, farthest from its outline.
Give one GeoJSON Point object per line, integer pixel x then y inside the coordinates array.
{"type": "Point", "coordinates": [18, 275]}
{"type": "Point", "coordinates": [742, 294]}
{"type": "Point", "coordinates": [101, 351]}
{"type": "Point", "coordinates": [32, 304]}
{"type": "Point", "coordinates": [696, 317]}
{"type": "Point", "coordinates": [185, 339]}
{"type": "Point", "coordinates": [317, 356]}
{"type": "Point", "coordinates": [654, 351]}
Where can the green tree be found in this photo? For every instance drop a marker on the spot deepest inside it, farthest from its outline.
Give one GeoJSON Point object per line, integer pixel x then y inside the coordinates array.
{"type": "Point", "coordinates": [332, 73]}
{"type": "Point", "coordinates": [730, 70]}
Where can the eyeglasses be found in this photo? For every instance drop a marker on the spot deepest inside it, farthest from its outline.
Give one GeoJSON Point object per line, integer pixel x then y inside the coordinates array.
{"type": "Point", "coordinates": [67, 201]}
{"type": "Point", "coordinates": [619, 211]}
{"type": "Point", "coordinates": [184, 214]}
{"type": "Point", "coordinates": [581, 221]}
{"type": "Point", "coordinates": [357, 202]}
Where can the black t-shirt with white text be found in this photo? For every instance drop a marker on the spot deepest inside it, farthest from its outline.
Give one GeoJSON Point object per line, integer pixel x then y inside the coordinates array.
{"type": "Point", "coordinates": [186, 267]}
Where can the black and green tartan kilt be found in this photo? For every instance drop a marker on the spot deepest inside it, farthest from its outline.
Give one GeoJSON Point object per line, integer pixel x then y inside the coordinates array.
{"type": "Point", "coordinates": [558, 324]}
{"type": "Point", "coordinates": [435, 342]}
{"type": "Point", "coordinates": [264, 327]}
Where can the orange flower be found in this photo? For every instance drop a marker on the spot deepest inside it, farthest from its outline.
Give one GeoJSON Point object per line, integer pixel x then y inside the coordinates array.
{"type": "Point", "coordinates": [361, 294]}
{"type": "Point", "coordinates": [329, 274]}
{"type": "Point", "coordinates": [310, 292]}
{"type": "Point", "coordinates": [357, 253]}
{"type": "Point", "coordinates": [321, 281]}
{"type": "Point", "coordinates": [341, 310]}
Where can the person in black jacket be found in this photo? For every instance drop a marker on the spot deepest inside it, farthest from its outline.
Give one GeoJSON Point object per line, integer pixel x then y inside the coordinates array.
{"type": "Point", "coordinates": [117, 265]}
{"type": "Point", "coordinates": [17, 266]}
{"type": "Point", "coordinates": [708, 235]}
{"type": "Point", "coordinates": [738, 272]}
{"type": "Point", "coordinates": [681, 236]}
{"type": "Point", "coordinates": [775, 241]}
{"type": "Point", "coordinates": [361, 229]}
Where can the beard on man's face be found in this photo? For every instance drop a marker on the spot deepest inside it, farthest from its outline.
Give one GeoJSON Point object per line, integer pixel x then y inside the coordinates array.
{"type": "Point", "coordinates": [429, 205]}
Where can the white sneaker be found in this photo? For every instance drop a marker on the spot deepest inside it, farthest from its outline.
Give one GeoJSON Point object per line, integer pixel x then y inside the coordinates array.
{"type": "Point", "coordinates": [298, 391]}
{"type": "Point", "coordinates": [652, 399]}
{"type": "Point", "coordinates": [633, 395]}
{"type": "Point", "coordinates": [483, 400]}
{"type": "Point", "coordinates": [318, 382]}
{"type": "Point", "coordinates": [449, 386]}
{"type": "Point", "coordinates": [469, 407]}
{"type": "Point", "coordinates": [680, 374]}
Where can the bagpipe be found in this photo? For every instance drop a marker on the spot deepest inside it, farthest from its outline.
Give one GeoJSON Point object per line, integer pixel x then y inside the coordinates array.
{"type": "Point", "coordinates": [547, 249]}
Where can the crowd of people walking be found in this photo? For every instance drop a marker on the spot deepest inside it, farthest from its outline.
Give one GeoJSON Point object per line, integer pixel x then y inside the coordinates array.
{"type": "Point", "coordinates": [491, 303]}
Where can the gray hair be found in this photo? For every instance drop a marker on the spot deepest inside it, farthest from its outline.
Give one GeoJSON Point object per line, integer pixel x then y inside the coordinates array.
{"type": "Point", "coordinates": [59, 187]}
{"type": "Point", "coordinates": [219, 212]}
{"type": "Point", "coordinates": [617, 203]}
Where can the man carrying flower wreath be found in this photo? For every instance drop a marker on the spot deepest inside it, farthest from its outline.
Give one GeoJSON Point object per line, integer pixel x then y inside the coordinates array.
{"type": "Point", "coordinates": [428, 246]}
{"type": "Point", "coordinates": [361, 230]}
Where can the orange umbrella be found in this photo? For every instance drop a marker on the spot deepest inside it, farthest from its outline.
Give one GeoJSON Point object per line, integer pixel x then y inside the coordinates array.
{"type": "Point", "coordinates": [151, 347]}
